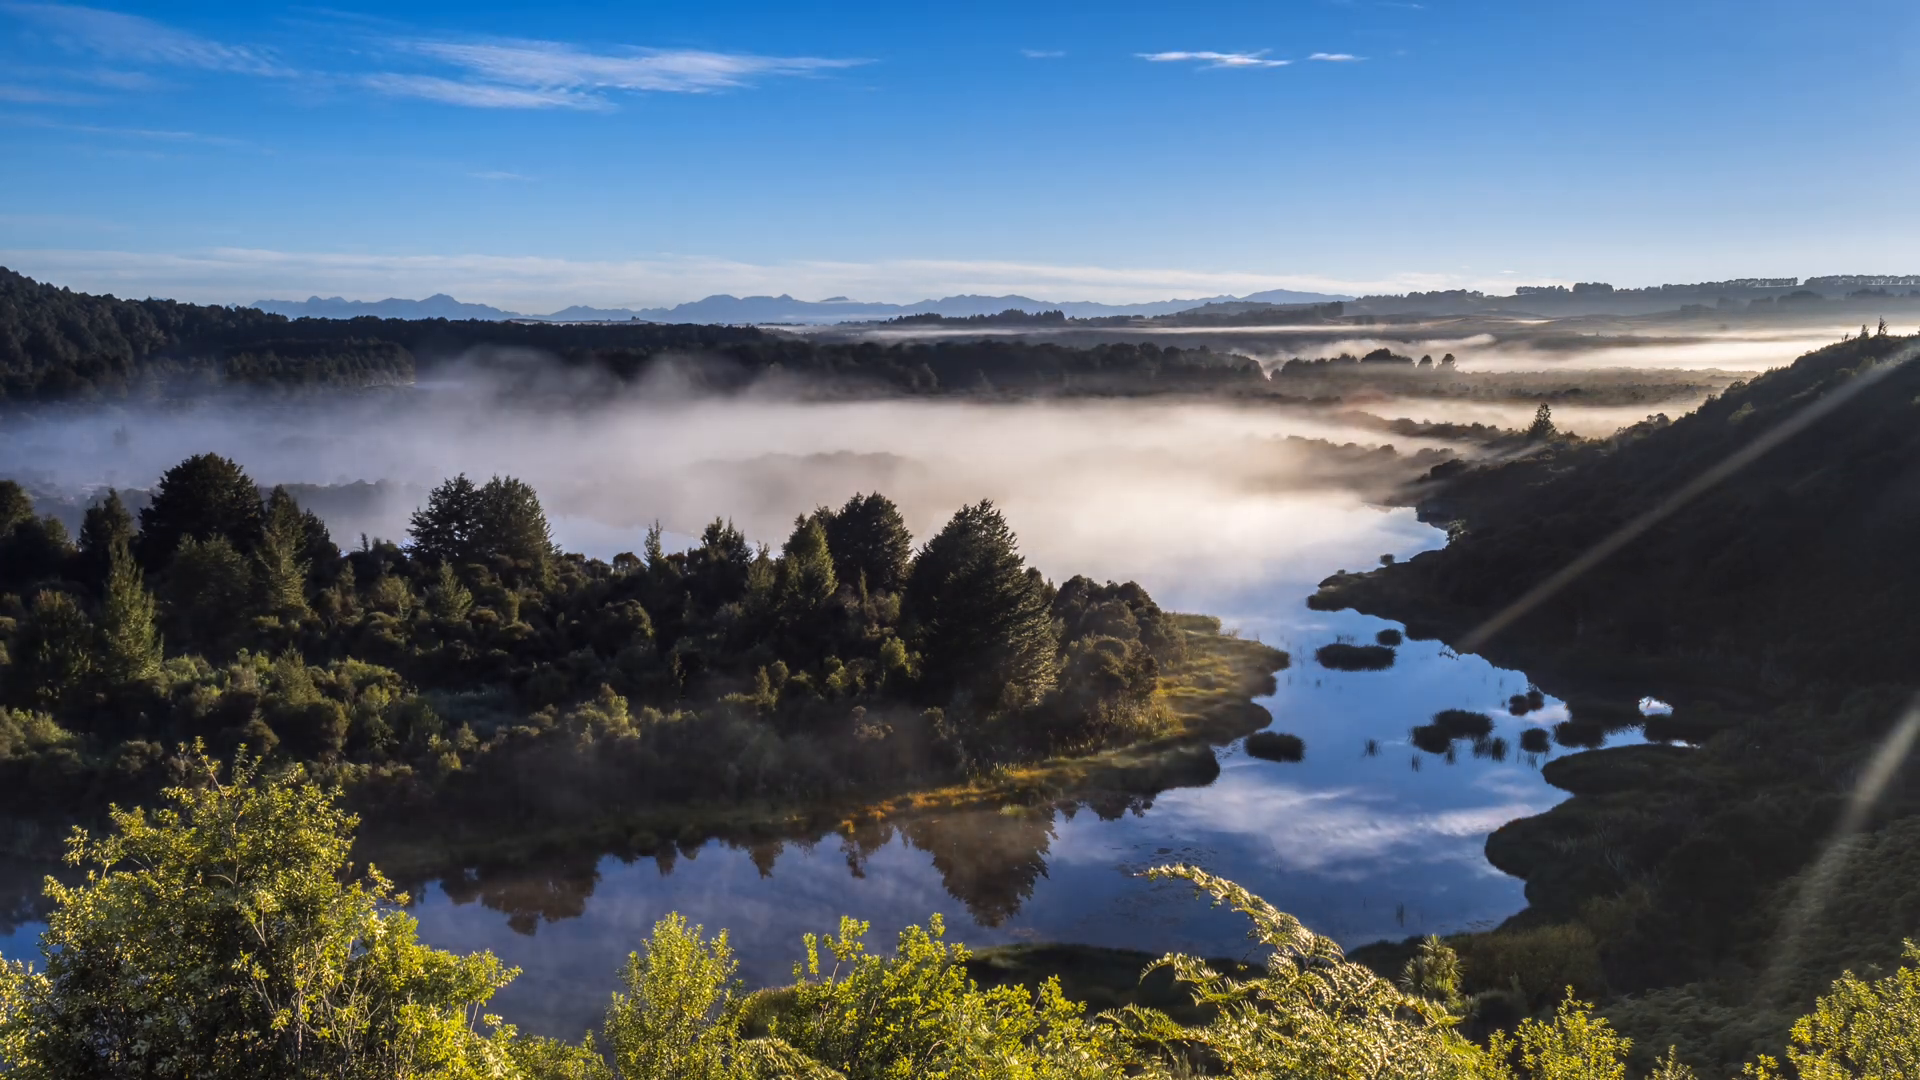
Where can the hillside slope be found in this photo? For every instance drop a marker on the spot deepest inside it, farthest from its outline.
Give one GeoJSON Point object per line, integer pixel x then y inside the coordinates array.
{"type": "Point", "coordinates": [1799, 566]}
{"type": "Point", "coordinates": [1706, 892]}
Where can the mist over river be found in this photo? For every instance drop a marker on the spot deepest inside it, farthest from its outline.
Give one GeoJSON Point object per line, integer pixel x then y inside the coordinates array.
{"type": "Point", "coordinates": [1211, 507]}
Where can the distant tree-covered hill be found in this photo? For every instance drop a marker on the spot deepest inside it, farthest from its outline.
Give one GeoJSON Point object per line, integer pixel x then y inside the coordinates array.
{"type": "Point", "coordinates": [56, 344]}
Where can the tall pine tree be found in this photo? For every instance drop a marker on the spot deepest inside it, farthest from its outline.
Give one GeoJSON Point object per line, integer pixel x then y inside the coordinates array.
{"type": "Point", "coordinates": [281, 565]}
{"type": "Point", "coordinates": [130, 648]}
{"type": "Point", "coordinates": [983, 619]}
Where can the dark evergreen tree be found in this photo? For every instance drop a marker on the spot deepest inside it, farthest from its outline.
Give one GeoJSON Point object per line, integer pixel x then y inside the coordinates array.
{"type": "Point", "coordinates": [806, 567]}
{"type": "Point", "coordinates": [204, 497]}
{"type": "Point", "coordinates": [869, 538]}
{"type": "Point", "coordinates": [105, 525]}
{"type": "Point", "coordinates": [37, 550]}
{"type": "Point", "coordinates": [982, 621]}
{"type": "Point", "coordinates": [444, 529]}
{"type": "Point", "coordinates": [16, 505]}
{"type": "Point", "coordinates": [716, 571]}
{"type": "Point", "coordinates": [500, 520]}
{"type": "Point", "coordinates": [1542, 427]}
{"type": "Point", "coordinates": [209, 594]}
{"type": "Point", "coordinates": [53, 652]}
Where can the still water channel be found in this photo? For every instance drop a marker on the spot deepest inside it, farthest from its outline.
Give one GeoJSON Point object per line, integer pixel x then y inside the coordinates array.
{"type": "Point", "coordinates": [1362, 842]}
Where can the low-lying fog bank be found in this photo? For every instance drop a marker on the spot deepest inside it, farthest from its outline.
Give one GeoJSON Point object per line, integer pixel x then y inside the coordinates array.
{"type": "Point", "coordinates": [1478, 344]}
{"type": "Point", "coordinates": [1586, 421]}
{"type": "Point", "coordinates": [1104, 488]}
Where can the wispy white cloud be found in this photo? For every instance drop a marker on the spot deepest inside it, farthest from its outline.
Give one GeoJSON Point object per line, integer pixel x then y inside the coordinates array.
{"type": "Point", "coordinates": [1043, 54]}
{"type": "Point", "coordinates": [541, 283]}
{"type": "Point", "coordinates": [549, 74]}
{"type": "Point", "coordinates": [1336, 57]}
{"type": "Point", "coordinates": [1217, 59]}
{"type": "Point", "coordinates": [131, 37]}
{"type": "Point", "coordinates": [498, 174]}
{"type": "Point", "coordinates": [117, 80]}
{"type": "Point", "coordinates": [144, 134]}
{"type": "Point", "coordinates": [17, 94]}
{"type": "Point", "coordinates": [480, 95]}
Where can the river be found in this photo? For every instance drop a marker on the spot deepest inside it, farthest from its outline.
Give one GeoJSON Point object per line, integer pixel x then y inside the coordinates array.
{"type": "Point", "coordinates": [1361, 843]}
{"type": "Point", "coordinates": [1212, 507]}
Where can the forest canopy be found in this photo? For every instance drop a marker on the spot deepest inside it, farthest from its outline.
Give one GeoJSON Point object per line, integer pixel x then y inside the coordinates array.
{"type": "Point", "coordinates": [479, 665]}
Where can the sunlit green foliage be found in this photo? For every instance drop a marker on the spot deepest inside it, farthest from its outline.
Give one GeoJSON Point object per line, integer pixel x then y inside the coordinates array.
{"type": "Point", "coordinates": [1312, 1013]}
{"type": "Point", "coordinates": [217, 938]}
{"type": "Point", "coordinates": [1860, 1030]}
{"type": "Point", "coordinates": [916, 1013]}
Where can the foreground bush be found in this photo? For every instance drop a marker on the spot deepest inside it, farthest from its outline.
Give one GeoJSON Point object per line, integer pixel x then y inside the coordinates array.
{"type": "Point", "coordinates": [220, 938]}
{"type": "Point", "coordinates": [226, 936]}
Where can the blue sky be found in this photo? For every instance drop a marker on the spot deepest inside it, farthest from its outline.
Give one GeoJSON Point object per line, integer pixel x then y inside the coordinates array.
{"type": "Point", "coordinates": [534, 155]}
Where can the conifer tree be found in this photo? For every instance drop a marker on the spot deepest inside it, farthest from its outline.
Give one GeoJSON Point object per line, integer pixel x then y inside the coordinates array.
{"type": "Point", "coordinates": [443, 529]}
{"type": "Point", "coordinates": [448, 598]}
{"type": "Point", "coordinates": [130, 648]}
{"type": "Point", "coordinates": [869, 538]}
{"type": "Point", "coordinates": [983, 620]}
{"type": "Point", "coordinates": [281, 566]}
{"type": "Point", "coordinates": [105, 524]}
{"type": "Point", "coordinates": [807, 580]}
{"type": "Point", "coordinates": [1542, 423]}
{"type": "Point", "coordinates": [204, 497]}
{"type": "Point", "coordinates": [15, 506]}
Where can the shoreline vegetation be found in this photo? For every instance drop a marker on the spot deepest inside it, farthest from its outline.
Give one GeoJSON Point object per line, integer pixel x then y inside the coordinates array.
{"type": "Point", "coordinates": [1706, 891]}
{"type": "Point", "coordinates": [1206, 696]}
{"type": "Point", "coordinates": [481, 695]}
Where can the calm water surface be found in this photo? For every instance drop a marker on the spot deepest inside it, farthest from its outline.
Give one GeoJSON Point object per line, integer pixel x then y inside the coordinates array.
{"type": "Point", "coordinates": [1361, 845]}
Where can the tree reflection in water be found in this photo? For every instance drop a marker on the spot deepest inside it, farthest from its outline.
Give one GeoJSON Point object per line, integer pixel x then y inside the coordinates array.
{"type": "Point", "coordinates": [988, 860]}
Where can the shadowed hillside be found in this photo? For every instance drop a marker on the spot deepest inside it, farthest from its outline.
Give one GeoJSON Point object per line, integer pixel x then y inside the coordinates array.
{"type": "Point", "coordinates": [1706, 891]}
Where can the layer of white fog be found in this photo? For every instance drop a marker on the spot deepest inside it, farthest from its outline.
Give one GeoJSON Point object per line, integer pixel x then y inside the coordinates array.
{"type": "Point", "coordinates": [1107, 489]}
{"type": "Point", "coordinates": [1523, 345]}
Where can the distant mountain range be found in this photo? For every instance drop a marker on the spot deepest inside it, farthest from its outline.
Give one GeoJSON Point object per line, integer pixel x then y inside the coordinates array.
{"type": "Point", "coordinates": [723, 308]}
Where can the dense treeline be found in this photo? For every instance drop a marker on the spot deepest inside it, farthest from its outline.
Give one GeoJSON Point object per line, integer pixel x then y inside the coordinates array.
{"type": "Point", "coordinates": [1712, 889]}
{"type": "Point", "coordinates": [482, 665]}
{"type": "Point", "coordinates": [60, 345]}
{"type": "Point", "coordinates": [227, 936]}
